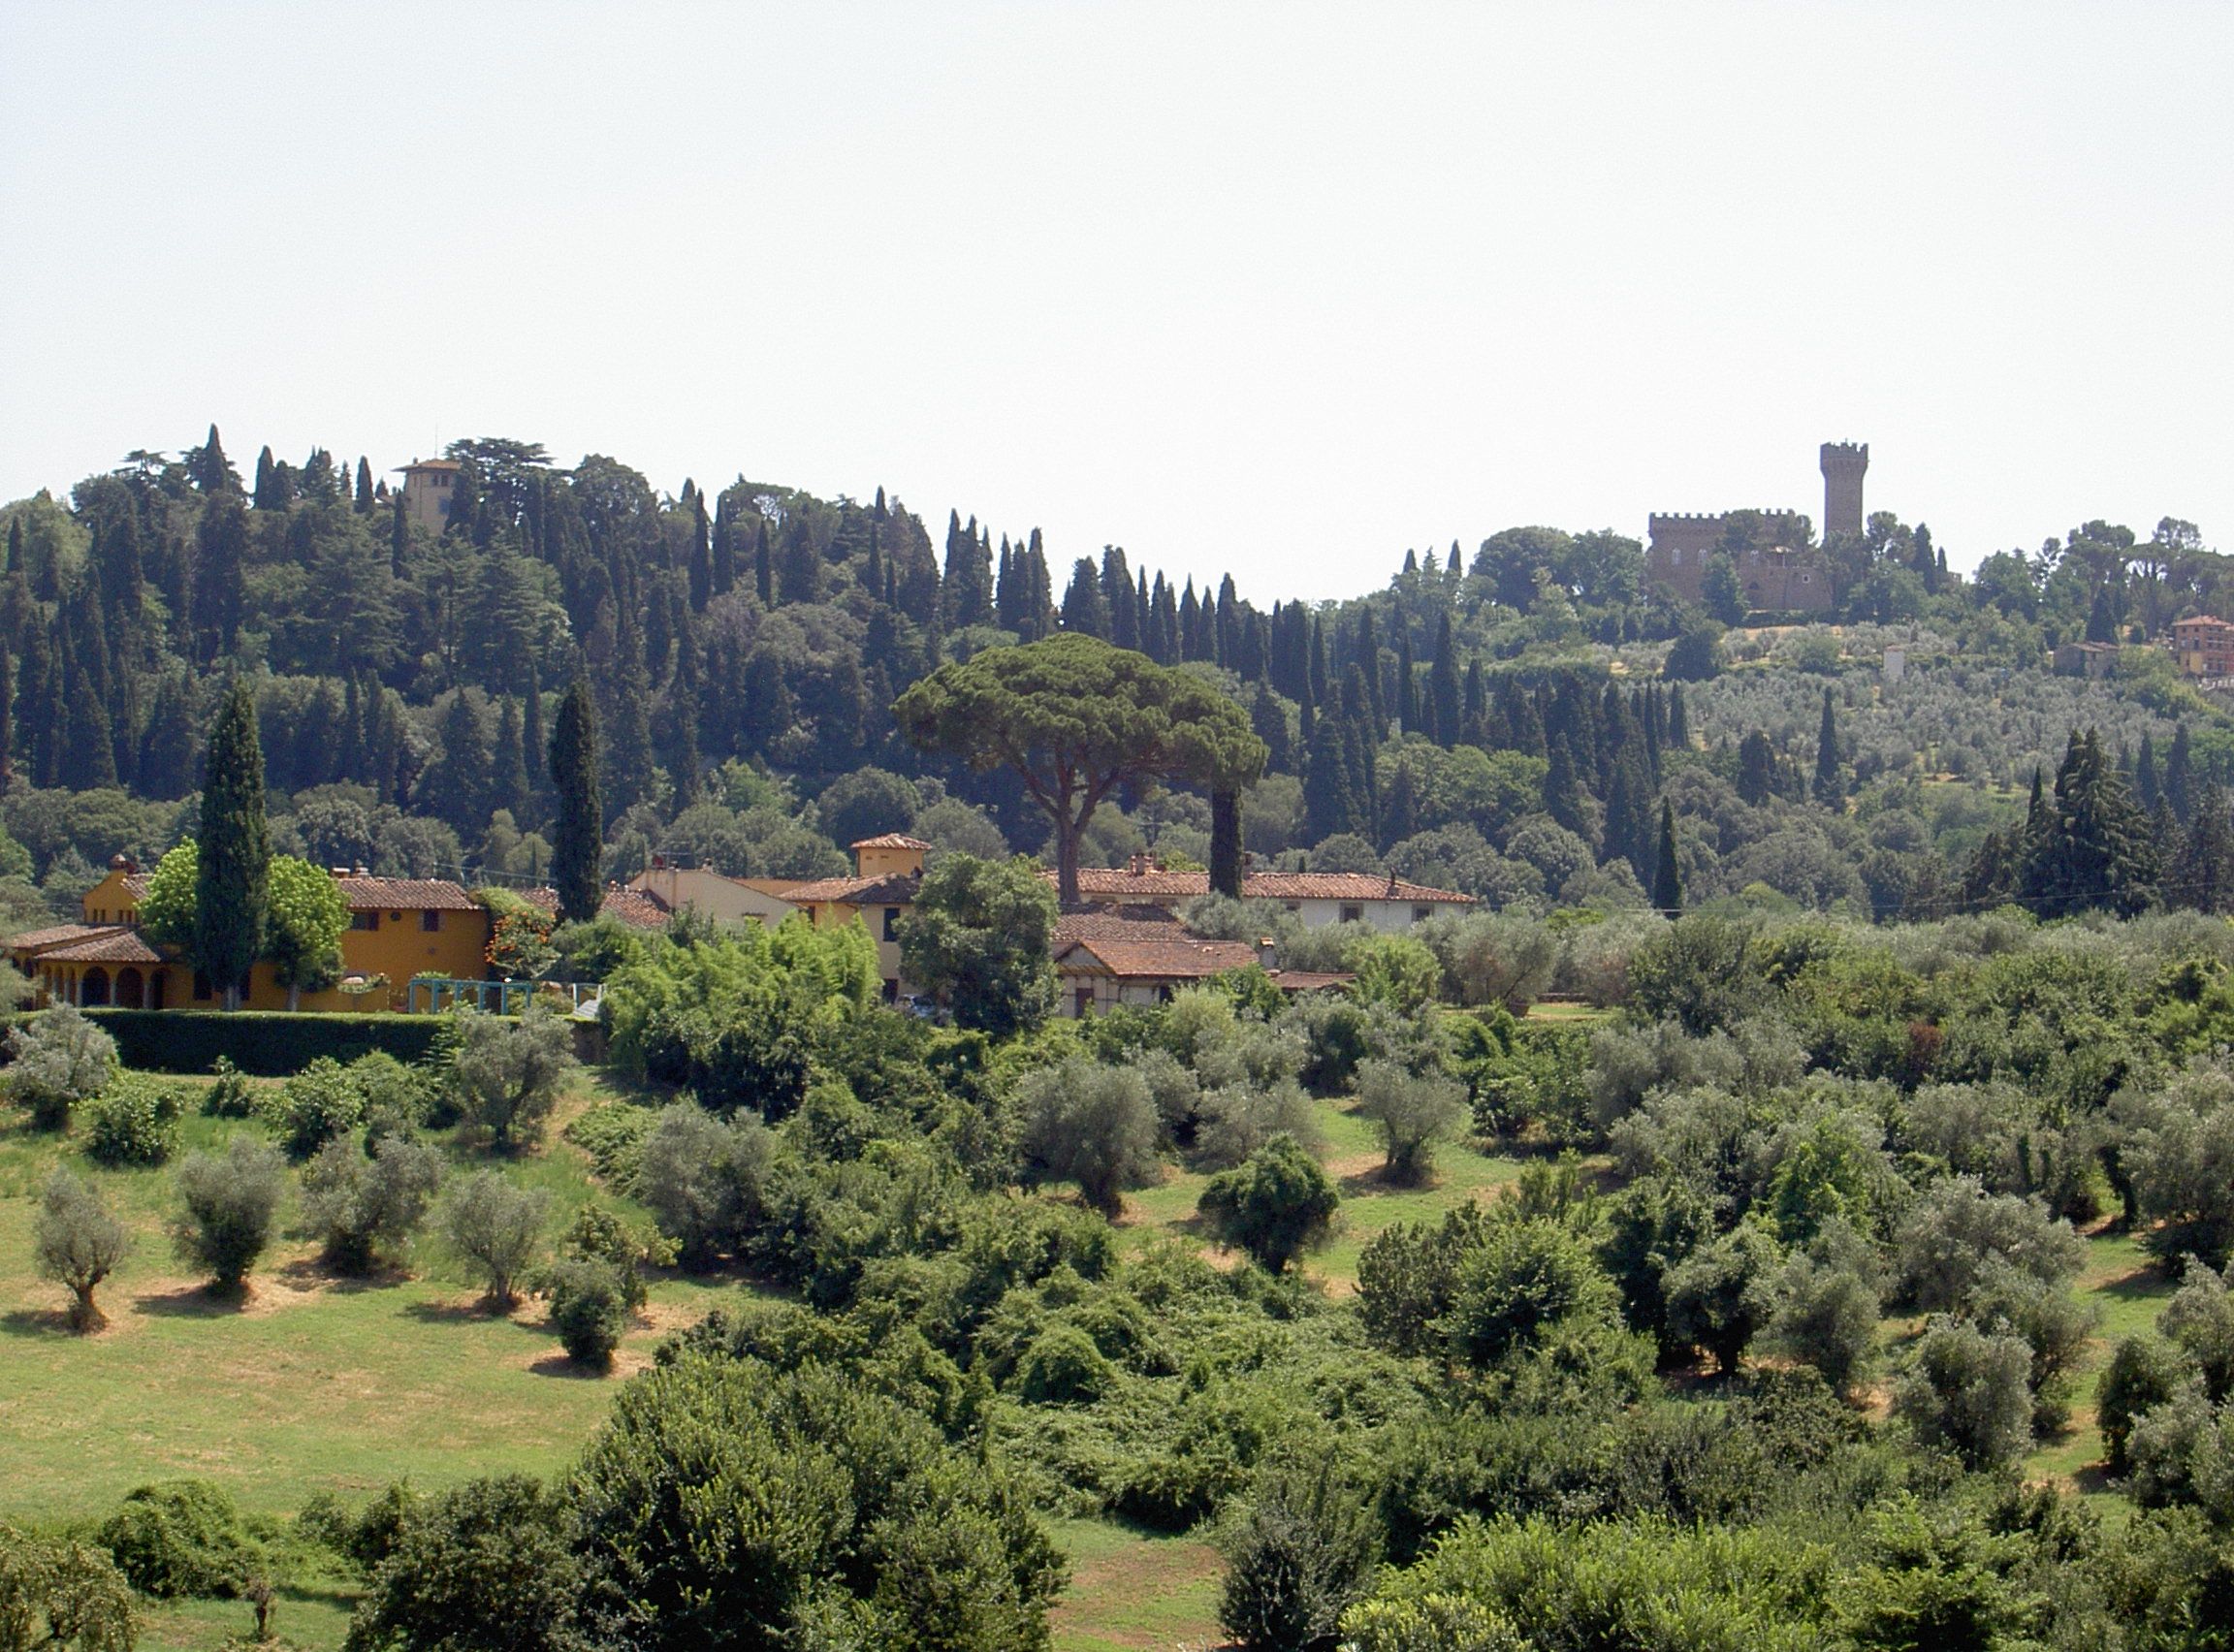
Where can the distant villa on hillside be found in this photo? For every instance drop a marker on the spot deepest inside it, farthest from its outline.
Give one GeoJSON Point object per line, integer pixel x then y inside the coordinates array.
{"type": "Point", "coordinates": [1779, 568]}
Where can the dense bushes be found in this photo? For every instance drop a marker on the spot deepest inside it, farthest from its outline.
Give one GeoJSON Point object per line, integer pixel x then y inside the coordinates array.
{"type": "Point", "coordinates": [180, 1538]}
{"type": "Point", "coordinates": [57, 1060]}
{"type": "Point", "coordinates": [133, 1121]}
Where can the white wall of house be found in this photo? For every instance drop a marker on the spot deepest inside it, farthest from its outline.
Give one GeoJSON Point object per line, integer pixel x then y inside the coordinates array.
{"type": "Point", "coordinates": [1390, 917]}
{"type": "Point", "coordinates": [716, 897]}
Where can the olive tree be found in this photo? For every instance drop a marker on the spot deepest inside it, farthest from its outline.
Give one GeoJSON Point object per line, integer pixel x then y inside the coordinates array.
{"type": "Point", "coordinates": [357, 1202]}
{"type": "Point", "coordinates": [507, 1075]}
{"type": "Point", "coordinates": [497, 1225]}
{"type": "Point", "coordinates": [58, 1061]}
{"type": "Point", "coordinates": [1093, 1125]}
{"type": "Point", "coordinates": [76, 1242]}
{"type": "Point", "coordinates": [1413, 1113]}
{"type": "Point", "coordinates": [228, 1205]}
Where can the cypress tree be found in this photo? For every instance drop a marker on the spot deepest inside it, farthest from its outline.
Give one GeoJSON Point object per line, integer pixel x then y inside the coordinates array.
{"type": "Point", "coordinates": [2179, 774]}
{"type": "Point", "coordinates": [1270, 724]}
{"type": "Point", "coordinates": [508, 772]}
{"type": "Point", "coordinates": [724, 547]}
{"type": "Point", "coordinates": [458, 788]}
{"type": "Point", "coordinates": [1408, 688]}
{"type": "Point", "coordinates": [533, 741]}
{"type": "Point", "coordinates": [1443, 686]}
{"type": "Point", "coordinates": [1679, 721]}
{"type": "Point", "coordinates": [7, 720]}
{"type": "Point", "coordinates": [2203, 874]}
{"type": "Point", "coordinates": [269, 493]}
{"type": "Point", "coordinates": [1084, 606]}
{"type": "Point", "coordinates": [1330, 805]}
{"type": "Point", "coordinates": [235, 863]}
{"type": "Point", "coordinates": [1667, 876]}
{"type": "Point", "coordinates": [1563, 793]}
{"type": "Point", "coordinates": [2148, 790]}
{"type": "Point", "coordinates": [577, 850]}
{"type": "Point", "coordinates": [1829, 788]}
{"type": "Point", "coordinates": [764, 566]}
{"type": "Point", "coordinates": [398, 536]}
{"type": "Point", "coordinates": [34, 709]}
{"type": "Point", "coordinates": [1756, 768]}
{"type": "Point", "coordinates": [364, 500]}
{"type": "Point", "coordinates": [1400, 811]}
{"type": "Point", "coordinates": [701, 557]}
{"type": "Point", "coordinates": [1629, 817]}
{"type": "Point", "coordinates": [799, 570]}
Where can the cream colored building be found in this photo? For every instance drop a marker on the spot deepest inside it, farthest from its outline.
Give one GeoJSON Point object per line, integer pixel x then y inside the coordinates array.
{"type": "Point", "coordinates": [731, 899]}
{"type": "Point", "coordinates": [429, 487]}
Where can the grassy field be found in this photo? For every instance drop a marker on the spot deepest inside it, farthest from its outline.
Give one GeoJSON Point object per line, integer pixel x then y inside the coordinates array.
{"type": "Point", "coordinates": [2121, 1281]}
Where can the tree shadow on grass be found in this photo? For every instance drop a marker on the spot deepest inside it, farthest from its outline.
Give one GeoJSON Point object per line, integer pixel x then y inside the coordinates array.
{"type": "Point", "coordinates": [477, 1308]}
{"type": "Point", "coordinates": [315, 1273]}
{"type": "Point", "coordinates": [37, 1322]}
{"type": "Point", "coordinates": [194, 1302]}
{"type": "Point", "coordinates": [561, 1364]}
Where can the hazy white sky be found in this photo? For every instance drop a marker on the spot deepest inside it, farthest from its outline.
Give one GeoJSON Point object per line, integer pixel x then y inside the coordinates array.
{"type": "Point", "coordinates": [1280, 288]}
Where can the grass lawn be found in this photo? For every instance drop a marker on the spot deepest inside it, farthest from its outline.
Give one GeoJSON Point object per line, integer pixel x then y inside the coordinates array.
{"type": "Point", "coordinates": [1133, 1589]}
{"type": "Point", "coordinates": [313, 1383]}
{"type": "Point", "coordinates": [1353, 1156]}
{"type": "Point", "coordinates": [2121, 1280]}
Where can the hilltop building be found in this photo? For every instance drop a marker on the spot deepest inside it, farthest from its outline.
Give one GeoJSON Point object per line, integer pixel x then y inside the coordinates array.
{"type": "Point", "coordinates": [1786, 575]}
{"type": "Point", "coordinates": [429, 487]}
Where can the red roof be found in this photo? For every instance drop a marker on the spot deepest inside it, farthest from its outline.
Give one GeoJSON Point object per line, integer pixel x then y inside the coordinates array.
{"type": "Point", "coordinates": [404, 894]}
{"type": "Point", "coordinates": [56, 935]}
{"type": "Point", "coordinates": [893, 889]}
{"type": "Point", "coordinates": [115, 946]}
{"type": "Point", "coordinates": [1117, 883]}
{"type": "Point", "coordinates": [632, 906]}
{"type": "Point", "coordinates": [1118, 923]}
{"type": "Point", "coordinates": [891, 841]}
{"type": "Point", "coordinates": [1158, 960]}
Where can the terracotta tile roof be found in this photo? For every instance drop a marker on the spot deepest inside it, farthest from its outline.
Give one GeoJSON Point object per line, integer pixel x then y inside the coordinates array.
{"type": "Point", "coordinates": [893, 889]}
{"type": "Point", "coordinates": [891, 841]}
{"type": "Point", "coordinates": [1118, 923]}
{"type": "Point", "coordinates": [405, 895]}
{"type": "Point", "coordinates": [58, 935]}
{"type": "Point", "coordinates": [1311, 980]}
{"type": "Point", "coordinates": [632, 906]}
{"type": "Point", "coordinates": [1107, 883]}
{"type": "Point", "coordinates": [136, 883]}
{"type": "Point", "coordinates": [1342, 886]}
{"type": "Point", "coordinates": [1157, 960]}
{"type": "Point", "coordinates": [115, 946]}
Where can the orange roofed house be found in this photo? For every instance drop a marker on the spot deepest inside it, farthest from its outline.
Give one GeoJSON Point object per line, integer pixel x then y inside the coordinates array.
{"type": "Point", "coordinates": [1316, 897]}
{"type": "Point", "coordinates": [398, 927]}
{"type": "Point", "coordinates": [887, 871]}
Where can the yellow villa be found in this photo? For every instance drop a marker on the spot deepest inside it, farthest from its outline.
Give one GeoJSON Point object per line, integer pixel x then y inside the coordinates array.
{"type": "Point", "coordinates": [398, 927]}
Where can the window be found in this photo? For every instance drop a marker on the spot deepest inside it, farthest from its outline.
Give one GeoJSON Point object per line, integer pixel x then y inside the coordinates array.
{"type": "Point", "coordinates": [364, 920]}
{"type": "Point", "coordinates": [1420, 915]}
{"type": "Point", "coordinates": [891, 923]}
{"type": "Point", "coordinates": [1293, 906]}
{"type": "Point", "coordinates": [1082, 1002]}
{"type": "Point", "coordinates": [430, 920]}
{"type": "Point", "coordinates": [891, 992]}
{"type": "Point", "coordinates": [1352, 913]}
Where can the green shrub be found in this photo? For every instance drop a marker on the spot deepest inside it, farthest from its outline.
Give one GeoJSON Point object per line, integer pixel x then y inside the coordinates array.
{"type": "Point", "coordinates": [396, 1097]}
{"type": "Point", "coordinates": [1062, 1367]}
{"type": "Point", "coordinates": [231, 1096]}
{"type": "Point", "coordinates": [62, 1594]}
{"type": "Point", "coordinates": [267, 1043]}
{"type": "Point", "coordinates": [1304, 1552]}
{"type": "Point", "coordinates": [589, 1309]}
{"type": "Point", "coordinates": [1275, 1205]}
{"type": "Point", "coordinates": [179, 1537]}
{"type": "Point", "coordinates": [134, 1121]}
{"type": "Point", "coordinates": [312, 1108]}
{"type": "Point", "coordinates": [612, 1133]}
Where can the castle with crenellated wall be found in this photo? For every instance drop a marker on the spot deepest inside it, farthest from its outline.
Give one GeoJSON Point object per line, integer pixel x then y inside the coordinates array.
{"type": "Point", "coordinates": [1789, 574]}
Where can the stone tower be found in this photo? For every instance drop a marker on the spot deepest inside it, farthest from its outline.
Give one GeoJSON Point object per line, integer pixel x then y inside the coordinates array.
{"type": "Point", "coordinates": [1843, 464]}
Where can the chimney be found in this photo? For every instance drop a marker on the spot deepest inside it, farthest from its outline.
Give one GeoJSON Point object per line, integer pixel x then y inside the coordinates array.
{"type": "Point", "coordinates": [124, 864]}
{"type": "Point", "coordinates": [1268, 954]}
{"type": "Point", "coordinates": [1138, 864]}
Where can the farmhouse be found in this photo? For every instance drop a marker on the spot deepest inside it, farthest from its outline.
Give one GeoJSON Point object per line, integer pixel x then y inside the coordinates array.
{"type": "Point", "coordinates": [1316, 897]}
{"type": "Point", "coordinates": [398, 927]}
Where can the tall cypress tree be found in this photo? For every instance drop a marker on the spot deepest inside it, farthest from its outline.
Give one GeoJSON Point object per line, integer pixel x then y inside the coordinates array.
{"type": "Point", "coordinates": [2148, 790]}
{"type": "Point", "coordinates": [2179, 775]}
{"type": "Point", "coordinates": [764, 566]}
{"type": "Point", "coordinates": [1679, 721]}
{"type": "Point", "coordinates": [1830, 787]}
{"type": "Point", "coordinates": [578, 849]}
{"type": "Point", "coordinates": [233, 868]}
{"type": "Point", "coordinates": [364, 500]}
{"type": "Point", "coordinates": [1667, 876]}
{"type": "Point", "coordinates": [508, 773]}
{"type": "Point", "coordinates": [1443, 685]}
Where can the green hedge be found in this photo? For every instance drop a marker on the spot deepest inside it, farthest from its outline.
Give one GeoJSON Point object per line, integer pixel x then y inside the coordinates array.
{"type": "Point", "coordinates": [270, 1044]}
